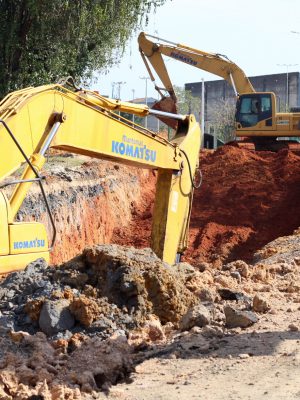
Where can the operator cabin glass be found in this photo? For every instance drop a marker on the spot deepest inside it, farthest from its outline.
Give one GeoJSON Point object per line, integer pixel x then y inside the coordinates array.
{"type": "Point", "coordinates": [253, 109]}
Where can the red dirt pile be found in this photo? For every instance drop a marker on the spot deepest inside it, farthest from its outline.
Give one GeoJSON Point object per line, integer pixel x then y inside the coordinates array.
{"type": "Point", "coordinates": [247, 199]}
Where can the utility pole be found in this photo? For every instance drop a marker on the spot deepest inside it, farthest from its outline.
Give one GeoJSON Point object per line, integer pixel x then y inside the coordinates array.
{"type": "Point", "coordinates": [113, 89]}
{"type": "Point", "coordinates": [203, 111]}
{"type": "Point", "coordinates": [145, 78]}
{"type": "Point", "coordinates": [133, 92]}
{"type": "Point", "coordinates": [119, 84]}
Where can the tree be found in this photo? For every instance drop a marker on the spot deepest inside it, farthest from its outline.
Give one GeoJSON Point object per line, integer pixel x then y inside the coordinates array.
{"type": "Point", "coordinates": [186, 102]}
{"type": "Point", "coordinates": [43, 40]}
{"type": "Point", "coordinates": [223, 119]}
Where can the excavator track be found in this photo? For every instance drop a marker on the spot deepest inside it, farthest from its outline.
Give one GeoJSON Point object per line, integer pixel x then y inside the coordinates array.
{"type": "Point", "coordinates": [266, 144]}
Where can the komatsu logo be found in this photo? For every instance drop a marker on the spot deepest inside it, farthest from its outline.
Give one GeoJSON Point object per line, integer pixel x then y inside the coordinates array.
{"type": "Point", "coordinates": [133, 148]}
{"type": "Point", "coordinates": [29, 244]}
{"type": "Point", "coordinates": [183, 58]}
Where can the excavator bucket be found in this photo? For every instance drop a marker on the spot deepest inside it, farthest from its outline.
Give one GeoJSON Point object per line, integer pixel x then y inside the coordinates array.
{"type": "Point", "coordinates": [167, 104]}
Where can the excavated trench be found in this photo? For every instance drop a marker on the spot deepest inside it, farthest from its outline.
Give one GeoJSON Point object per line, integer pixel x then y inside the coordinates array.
{"type": "Point", "coordinates": [247, 199]}
{"type": "Point", "coordinates": [89, 199]}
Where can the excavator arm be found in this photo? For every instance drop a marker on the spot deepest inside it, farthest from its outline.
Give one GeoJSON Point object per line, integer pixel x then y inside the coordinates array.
{"type": "Point", "coordinates": [217, 64]}
{"type": "Point", "coordinates": [36, 119]}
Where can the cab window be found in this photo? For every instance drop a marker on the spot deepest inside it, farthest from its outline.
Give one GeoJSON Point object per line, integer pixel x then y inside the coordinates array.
{"type": "Point", "coordinates": [254, 108]}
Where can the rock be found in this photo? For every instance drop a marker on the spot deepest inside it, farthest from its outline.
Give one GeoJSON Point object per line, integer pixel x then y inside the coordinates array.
{"type": "Point", "coordinates": [244, 271]}
{"type": "Point", "coordinates": [168, 328]}
{"type": "Point", "coordinates": [85, 310]}
{"type": "Point", "coordinates": [225, 281]}
{"type": "Point", "coordinates": [17, 337]}
{"type": "Point", "coordinates": [207, 295]}
{"type": "Point", "coordinates": [185, 268]}
{"type": "Point", "coordinates": [55, 317]}
{"type": "Point", "coordinates": [260, 304]}
{"type": "Point", "coordinates": [239, 266]}
{"type": "Point", "coordinates": [36, 267]}
{"type": "Point", "coordinates": [236, 275]}
{"type": "Point", "coordinates": [238, 318]}
{"type": "Point", "coordinates": [293, 328]}
{"type": "Point", "coordinates": [155, 330]}
{"type": "Point", "coordinates": [33, 308]}
{"type": "Point", "coordinates": [151, 331]}
{"type": "Point", "coordinates": [212, 331]}
{"type": "Point", "coordinates": [7, 324]}
{"type": "Point", "coordinates": [138, 280]}
{"type": "Point", "coordinates": [198, 315]}
{"type": "Point", "coordinates": [227, 294]}
{"type": "Point", "coordinates": [261, 273]}
{"type": "Point", "coordinates": [196, 330]}
{"type": "Point", "coordinates": [297, 260]}
{"type": "Point", "coordinates": [243, 356]}
{"type": "Point", "coordinates": [203, 266]}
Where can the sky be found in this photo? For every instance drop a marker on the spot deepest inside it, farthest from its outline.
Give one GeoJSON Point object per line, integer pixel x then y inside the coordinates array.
{"type": "Point", "coordinates": [256, 35]}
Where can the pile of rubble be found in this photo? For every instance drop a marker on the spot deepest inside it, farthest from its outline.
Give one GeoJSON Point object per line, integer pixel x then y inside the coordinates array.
{"type": "Point", "coordinates": [65, 330]}
{"type": "Point", "coordinates": [82, 327]}
{"type": "Point", "coordinates": [107, 289]}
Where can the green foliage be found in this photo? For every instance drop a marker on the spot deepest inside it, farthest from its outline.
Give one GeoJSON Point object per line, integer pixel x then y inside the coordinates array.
{"type": "Point", "coordinates": [134, 118]}
{"type": "Point", "coordinates": [43, 40]}
{"type": "Point", "coordinates": [223, 120]}
{"type": "Point", "coordinates": [186, 102]}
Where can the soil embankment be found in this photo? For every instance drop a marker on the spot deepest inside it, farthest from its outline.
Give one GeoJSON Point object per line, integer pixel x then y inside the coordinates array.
{"type": "Point", "coordinates": [89, 199]}
{"type": "Point", "coordinates": [247, 199]}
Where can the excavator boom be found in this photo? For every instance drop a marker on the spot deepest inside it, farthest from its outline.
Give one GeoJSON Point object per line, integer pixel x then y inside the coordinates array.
{"type": "Point", "coordinates": [217, 64]}
{"type": "Point", "coordinates": [33, 120]}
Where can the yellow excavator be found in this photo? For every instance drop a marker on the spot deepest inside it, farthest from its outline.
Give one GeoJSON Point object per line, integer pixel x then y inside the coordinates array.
{"type": "Point", "coordinates": [255, 115]}
{"type": "Point", "coordinates": [75, 120]}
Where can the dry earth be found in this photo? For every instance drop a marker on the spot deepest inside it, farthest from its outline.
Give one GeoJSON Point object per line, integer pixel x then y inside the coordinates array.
{"type": "Point", "coordinates": [135, 331]}
{"type": "Point", "coordinates": [259, 362]}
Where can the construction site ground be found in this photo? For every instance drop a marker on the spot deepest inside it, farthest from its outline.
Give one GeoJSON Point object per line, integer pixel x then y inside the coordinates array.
{"type": "Point", "coordinates": [115, 322]}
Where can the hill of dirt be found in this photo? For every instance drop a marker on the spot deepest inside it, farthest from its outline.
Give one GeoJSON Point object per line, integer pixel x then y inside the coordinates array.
{"type": "Point", "coordinates": [247, 199]}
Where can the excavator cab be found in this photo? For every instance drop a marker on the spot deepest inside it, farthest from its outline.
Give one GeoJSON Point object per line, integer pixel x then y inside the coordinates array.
{"type": "Point", "coordinates": [255, 111]}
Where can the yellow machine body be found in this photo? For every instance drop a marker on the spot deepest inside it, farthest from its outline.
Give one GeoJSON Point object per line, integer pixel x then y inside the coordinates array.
{"type": "Point", "coordinates": [83, 122]}
{"type": "Point", "coordinates": [268, 124]}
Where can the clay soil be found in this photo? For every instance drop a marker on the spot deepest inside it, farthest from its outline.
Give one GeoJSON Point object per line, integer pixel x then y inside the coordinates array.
{"type": "Point", "coordinates": [246, 209]}
{"type": "Point", "coordinates": [247, 199]}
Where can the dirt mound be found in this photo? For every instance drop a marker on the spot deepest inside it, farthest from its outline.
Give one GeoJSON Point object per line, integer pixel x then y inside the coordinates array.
{"type": "Point", "coordinates": [247, 199]}
{"type": "Point", "coordinates": [110, 308]}
{"type": "Point", "coordinates": [106, 289]}
{"type": "Point", "coordinates": [139, 281]}
{"type": "Point", "coordinates": [64, 330]}
{"type": "Point", "coordinates": [34, 368]}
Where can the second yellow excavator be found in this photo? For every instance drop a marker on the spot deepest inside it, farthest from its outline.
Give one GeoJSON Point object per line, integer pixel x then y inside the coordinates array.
{"type": "Point", "coordinates": [255, 115]}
